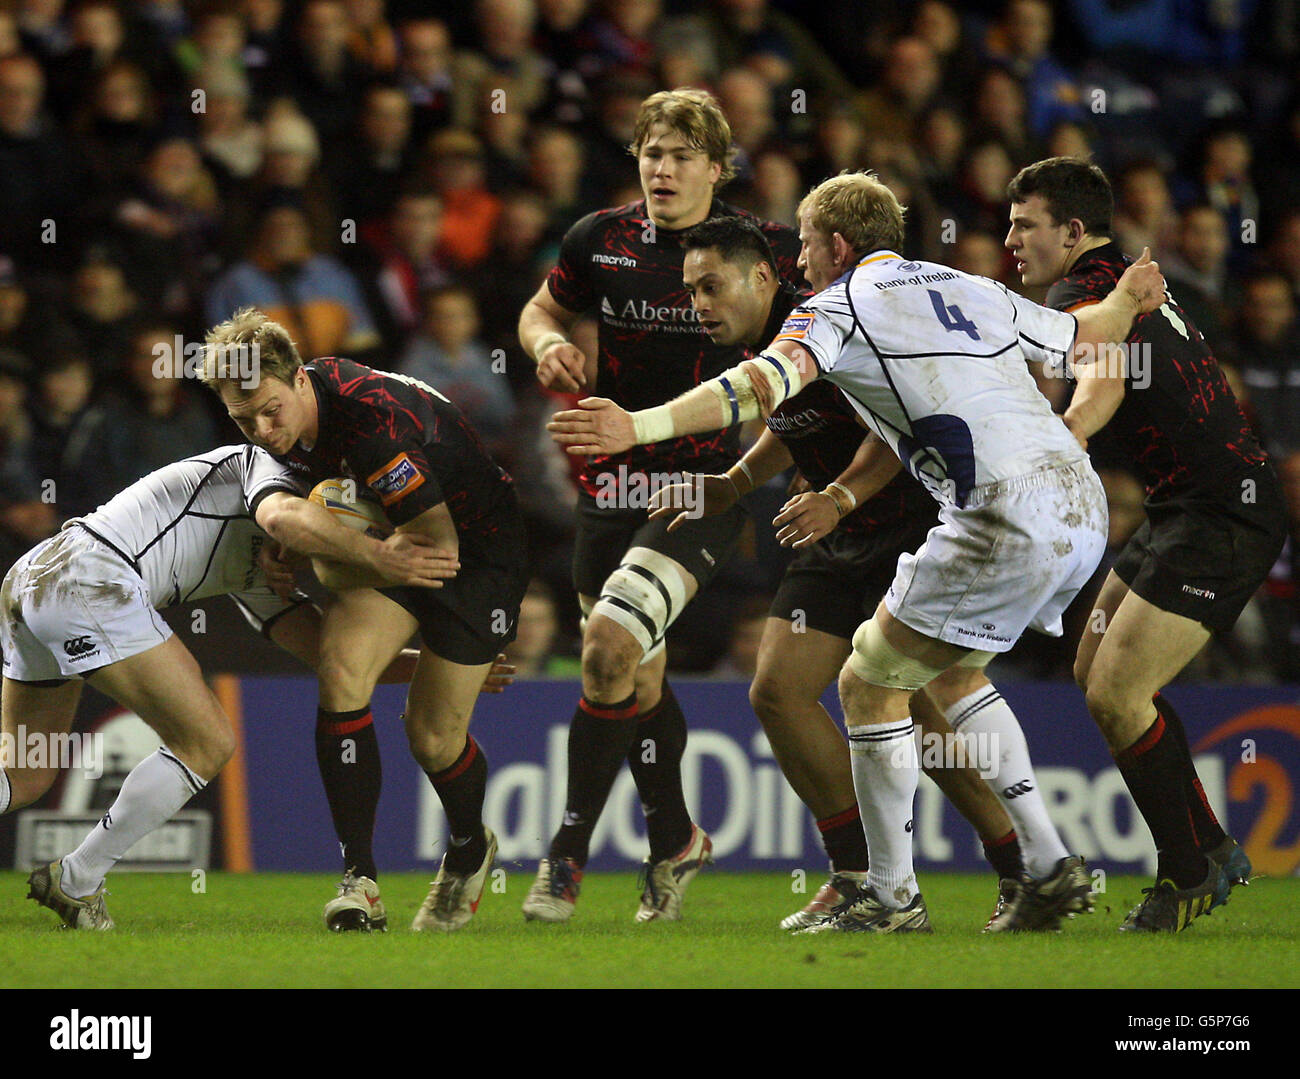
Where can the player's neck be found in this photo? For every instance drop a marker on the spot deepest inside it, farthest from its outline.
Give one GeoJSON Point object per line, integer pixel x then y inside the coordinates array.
{"type": "Point", "coordinates": [756, 337]}
{"type": "Point", "coordinates": [686, 221]}
{"type": "Point", "coordinates": [1088, 243]}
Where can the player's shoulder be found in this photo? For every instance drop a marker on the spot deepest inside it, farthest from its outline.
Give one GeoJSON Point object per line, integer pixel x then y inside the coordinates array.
{"type": "Point", "coordinates": [590, 226]}
{"type": "Point", "coordinates": [1091, 278]}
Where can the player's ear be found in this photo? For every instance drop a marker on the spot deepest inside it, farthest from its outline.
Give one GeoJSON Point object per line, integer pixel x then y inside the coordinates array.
{"type": "Point", "coordinates": [1074, 232]}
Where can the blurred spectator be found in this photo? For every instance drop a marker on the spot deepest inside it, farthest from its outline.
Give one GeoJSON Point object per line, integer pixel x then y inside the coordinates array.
{"type": "Point", "coordinates": [449, 355]}
{"type": "Point", "coordinates": [1266, 350]}
{"type": "Point", "coordinates": [504, 31]}
{"type": "Point", "coordinates": [25, 516]}
{"type": "Point", "coordinates": [1000, 113]}
{"type": "Point", "coordinates": [370, 37]}
{"type": "Point", "coordinates": [148, 419]}
{"type": "Point", "coordinates": [777, 188]}
{"type": "Point", "coordinates": [1144, 210]}
{"type": "Point", "coordinates": [506, 133]}
{"type": "Point", "coordinates": [98, 40]}
{"type": "Point", "coordinates": [470, 210]}
{"type": "Point", "coordinates": [321, 72]}
{"type": "Point", "coordinates": [429, 76]}
{"type": "Point", "coordinates": [508, 278]}
{"type": "Point", "coordinates": [939, 26]}
{"type": "Point", "coordinates": [981, 200]}
{"type": "Point", "coordinates": [104, 312]}
{"type": "Point", "coordinates": [942, 142]}
{"type": "Point", "coordinates": [367, 172]}
{"type": "Point", "coordinates": [40, 178]}
{"type": "Point", "coordinates": [28, 323]}
{"type": "Point", "coordinates": [408, 264]}
{"type": "Point", "coordinates": [538, 629]}
{"type": "Point", "coordinates": [776, 46]}
{"type": "Point", "coordinates": [741, 660]}
{"type": "Point", "coordinates": [229, 139]}
{"type": "Point", "coordinates": [267, 42]}
{"type": "Point", "coordinates": [290, 171]}
{"type": "Point", "coordinates": [609, 164]}
{"type": "Point", "coordinates": [746, 99]}
{"type": "Point", "coordinates": [621, 35]}
{"type": "Point", "coordinates": [1070, 138]}
{"type": "Point", "coordinates": [908, 88]}
{"type": "Point", "coordinates": [312, 295]}
{"type": "Point", "coordinates": [1197, 271]}
{"type": "Point", "coordinates": [42, 30]}
{"type": "Point", "coordinates": [64, 421]}
{"type": "Point", "coordinates": [839, 143]}
{"type": "Point", "coordinates": [11, 44]}
{"type": "Point", "coordinates": [1285, 250]}
{"type": "Point", "coordinates": [686, 53]}
{"type": "Point", "coordinates": [555, 171]}
{"type": "Point", "coordinates": [1223, 179]}
{"type": "Point", "coordinates": [979, 253]}
{"type": "Point", "coordinates": [563, 34]}
{"type": "Point", "coordinates": [118, 125]}
{"type": "Point", "coordinates": [1021, 40]}
{"type": "Point", "coordinates": [165, 227]}
{"type": "Point", "coordinates": [219, 42]}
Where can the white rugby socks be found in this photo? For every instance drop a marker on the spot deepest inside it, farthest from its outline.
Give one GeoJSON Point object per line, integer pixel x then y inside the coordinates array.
{"type": "Point", "coordinates": [885, 775]}
{"type": "Point", "coordinates": [153, 791]}
{"type": "Point", "coordinates": [986, 715]}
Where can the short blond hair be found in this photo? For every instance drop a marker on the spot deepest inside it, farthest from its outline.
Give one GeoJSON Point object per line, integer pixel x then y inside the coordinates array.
{"type": "Point", "coordinates": [697, 117]}
{"type": "Point", "coordinates": [860, 208]}
{"type": "Point", "coordinates": [248, 330]}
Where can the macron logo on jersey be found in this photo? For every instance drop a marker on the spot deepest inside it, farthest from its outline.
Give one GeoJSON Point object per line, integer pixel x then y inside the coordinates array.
{"type": "Point", "coordinates": [396, 480]}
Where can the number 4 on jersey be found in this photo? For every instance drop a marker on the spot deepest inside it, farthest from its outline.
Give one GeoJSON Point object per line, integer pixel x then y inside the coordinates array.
{"type": "Point", "coordinates": [951, 317]}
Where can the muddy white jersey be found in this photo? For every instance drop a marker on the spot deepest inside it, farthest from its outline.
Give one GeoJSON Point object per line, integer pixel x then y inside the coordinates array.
{"type": "Point", "coordinates": [188, 529]}
{"type": "Point", "coordinates": [935, 361]}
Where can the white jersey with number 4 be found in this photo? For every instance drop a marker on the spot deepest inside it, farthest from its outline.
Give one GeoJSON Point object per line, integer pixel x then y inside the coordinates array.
{"type": "Point", "coordinates": [935, 361]}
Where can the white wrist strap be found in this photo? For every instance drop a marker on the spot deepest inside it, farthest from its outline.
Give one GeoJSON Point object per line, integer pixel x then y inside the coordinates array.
{"type": "Point", "coordinates": [546, 341]}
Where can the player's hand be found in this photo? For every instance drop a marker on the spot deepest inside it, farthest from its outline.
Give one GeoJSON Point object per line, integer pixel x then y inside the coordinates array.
{"type": "Point", "coordinates": [699, 496]}
{"type": "Point", "coordinates": [501, 675]}
{"type": "Point", "coordinates": [563, 367]}
{"type": "Point", "coordinates": [277, 563]}
{"type": "Point", "coordinates": [1144, 283]}
{"type": "Point", "coordinates": [798, 485]}
{"type": "Point", "coordinates": [409, 558]}
{"type": "Point", "coordinates": [805, 519]}
{"type": "Point", "coordinates": [596, 426]}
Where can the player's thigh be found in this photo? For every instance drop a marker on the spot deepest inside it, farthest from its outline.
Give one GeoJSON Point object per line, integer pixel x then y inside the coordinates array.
{"type": "Point", "coordinates": [165, 687]}
{"type": "Point", "coordinates": [361, 631]}
{"type": "Point", "coordinates": [956, 683]}
{"type": "Point", "coordinates": [1113, 591]}
{"type": "Point", "coordinates": [1141, 652]}
{"type": "Point", "coordinates": [795, 666]}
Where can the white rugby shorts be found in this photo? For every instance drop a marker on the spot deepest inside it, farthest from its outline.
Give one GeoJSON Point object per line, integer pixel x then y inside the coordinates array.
{"type": "Point", "coordinates": [71, 606]}
{"type": "Point", "coordinates": [1012, 558]}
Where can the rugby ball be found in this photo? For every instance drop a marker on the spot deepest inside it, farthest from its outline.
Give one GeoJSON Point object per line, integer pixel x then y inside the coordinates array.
{"type": "Point", "coordinates": [342, 498]}
{"type": "Point", "coordinates": [344, 502]}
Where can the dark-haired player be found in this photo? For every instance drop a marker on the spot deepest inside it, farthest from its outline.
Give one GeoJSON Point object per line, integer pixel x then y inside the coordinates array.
{"type": "Point", "coordinates": [1214, 528]}
{"type": "Point", "coordinates": [633, 579]}
{"type": "Point", "coordinates": [849, 532]}
{"type": "Point", "coordinates": [415, 452]}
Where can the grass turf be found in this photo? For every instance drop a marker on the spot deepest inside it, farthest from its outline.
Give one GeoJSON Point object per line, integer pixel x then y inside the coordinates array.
{"type": "Point", "coordinates": [264, 930]}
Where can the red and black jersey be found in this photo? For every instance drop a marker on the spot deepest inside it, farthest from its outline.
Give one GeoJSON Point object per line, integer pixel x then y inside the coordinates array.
{"type": "Point", "coordinates": [820, 429]}
{"type": "Point", "coordinates": [1179, 423]}
{"type": "Point", "coordinates": [405, 442]}
{"type": "Point", "coordinates": [627, 272]}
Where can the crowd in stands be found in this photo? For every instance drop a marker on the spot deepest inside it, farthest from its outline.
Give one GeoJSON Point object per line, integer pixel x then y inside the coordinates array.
{"type": "Point", "coordinates": [391, 180]}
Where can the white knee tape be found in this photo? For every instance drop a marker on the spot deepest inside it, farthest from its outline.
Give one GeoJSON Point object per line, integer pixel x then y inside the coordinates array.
{"type": "Point", "coordinates": [878, 663]}
{"type": "Point", "coordinates": [644, 596]}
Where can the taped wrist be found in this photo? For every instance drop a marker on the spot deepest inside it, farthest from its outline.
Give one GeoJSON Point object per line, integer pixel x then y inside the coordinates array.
{"type": "Point", "coordinates": [742, 400]}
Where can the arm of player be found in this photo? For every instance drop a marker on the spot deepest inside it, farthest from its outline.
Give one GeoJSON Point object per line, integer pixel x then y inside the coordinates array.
{"type": "Point", "coordinates": [1097, 395]}
{"type": "Point", "coordinates": [544, 326]}
{"type": "Point", "coordinates": [745, 392]}
{"type": "Point", "coordinates": [813, 515]}
{"type": "Point", "coordinates": [364, 561]}
{"type": "Point", "coordinates": [298, 633]}
{"type": "Point", "coordinates": [707, 495]}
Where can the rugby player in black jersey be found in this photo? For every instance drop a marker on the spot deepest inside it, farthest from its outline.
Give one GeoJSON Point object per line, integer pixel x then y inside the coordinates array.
{"type": "Point", "coordinates": [81, 607]}
{"type": "Point", "coordinates": [849, 531]}
{"type": "Point", "coordinates": [1214, 527]}
{"type": "Point", "coordinates": [625, 266]}
{"type": "Point", "coordinates": [416, 454]}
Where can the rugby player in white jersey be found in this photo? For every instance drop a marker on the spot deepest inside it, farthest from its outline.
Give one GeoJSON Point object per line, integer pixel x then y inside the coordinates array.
{"type": "Point", "coordinates": [82, 607]}
{"type": "Point", "coordinates": [935, 361]}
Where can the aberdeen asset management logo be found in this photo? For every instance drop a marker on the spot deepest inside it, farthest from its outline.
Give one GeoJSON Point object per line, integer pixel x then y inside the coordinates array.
{"type": "Point", "coordinates": [76, 647]}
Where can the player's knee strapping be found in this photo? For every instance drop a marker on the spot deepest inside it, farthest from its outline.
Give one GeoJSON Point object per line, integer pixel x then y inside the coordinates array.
{"type": "Point", "coordinates": [644, 596]}
{"type": "Point", "coordinates": [879, 663]}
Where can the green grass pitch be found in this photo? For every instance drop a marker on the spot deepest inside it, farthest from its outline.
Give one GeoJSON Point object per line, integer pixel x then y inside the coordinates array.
{"type": "Point", "coordinates": [264, 930]}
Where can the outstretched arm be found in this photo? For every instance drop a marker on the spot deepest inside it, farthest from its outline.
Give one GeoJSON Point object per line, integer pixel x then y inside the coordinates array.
{"type": "Point", "coordinates": [744, 392]}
